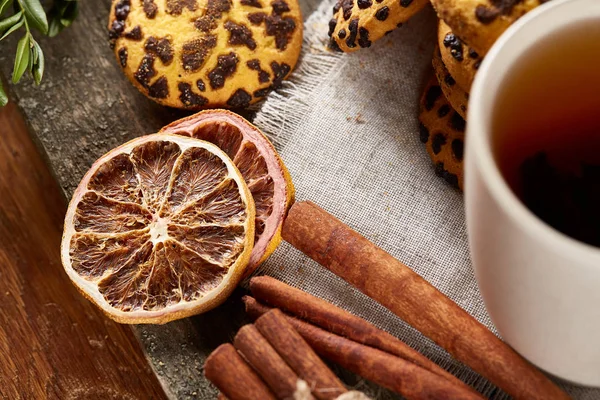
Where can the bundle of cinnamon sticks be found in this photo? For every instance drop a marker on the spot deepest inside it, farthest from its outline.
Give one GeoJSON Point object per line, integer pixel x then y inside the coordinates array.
{"type": "Point", "coordinates": [354, 343]}
{"type": "Point", "coordinates": [270, 360]}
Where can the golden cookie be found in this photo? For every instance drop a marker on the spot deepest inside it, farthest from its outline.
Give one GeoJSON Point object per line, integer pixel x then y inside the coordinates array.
{"type": "Point", "coordinates": [457, 97]}
{"type": "Point", "coordinates": [206, 53]}
{"type": "Point", "coordinates": [358, 23]}
{"type": "Point", "coordinates": [481, 22]}
{"type": "Point", "coordinates": [443, 131]}
{"type": "Point", "coordinates": [461, 60]}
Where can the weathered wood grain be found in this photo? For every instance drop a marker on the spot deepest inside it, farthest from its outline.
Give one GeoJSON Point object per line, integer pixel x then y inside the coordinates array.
{"type": "Point", "coordinates": [53, 343]}
{"type": "Point", "coordinates": [85, 107]}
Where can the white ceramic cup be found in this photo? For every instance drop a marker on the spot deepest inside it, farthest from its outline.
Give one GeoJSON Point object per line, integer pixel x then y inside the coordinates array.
{"type": "Point", "coordinates": [541, 288]}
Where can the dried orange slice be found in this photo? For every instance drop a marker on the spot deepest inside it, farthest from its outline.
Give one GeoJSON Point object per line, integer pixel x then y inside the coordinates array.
{"type": "Point", "coordinates": [159, 228]}
{"type": "Point", "coordinates": [262, 168]}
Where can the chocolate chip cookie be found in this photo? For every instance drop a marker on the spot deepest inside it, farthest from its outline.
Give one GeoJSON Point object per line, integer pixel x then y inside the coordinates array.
{"type": "Point", "coordinates": [442, 130]}
{"type": "Point", "coordinates": [481, 22]}
{"type": "Point", "coordinates": [358, 23]}
{"type": "Point", "coordinates": [461, 60]}
{"type": "Point", "coordinates": [457, 97]}
{"type": "Point", "coordinates": [197, 54]}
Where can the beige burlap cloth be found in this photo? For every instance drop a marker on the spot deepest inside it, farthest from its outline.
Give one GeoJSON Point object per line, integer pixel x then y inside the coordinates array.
{"type": "Point", "coordinates": [346, 127]}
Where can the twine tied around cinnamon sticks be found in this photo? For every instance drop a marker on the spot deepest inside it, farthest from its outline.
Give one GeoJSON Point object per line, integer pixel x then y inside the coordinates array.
{"type": "Point", "coordinates": [303, 393]}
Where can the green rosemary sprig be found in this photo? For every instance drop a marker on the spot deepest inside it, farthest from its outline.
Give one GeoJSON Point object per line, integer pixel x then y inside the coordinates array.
{"type": "Point", "coordinates": [16, 15]}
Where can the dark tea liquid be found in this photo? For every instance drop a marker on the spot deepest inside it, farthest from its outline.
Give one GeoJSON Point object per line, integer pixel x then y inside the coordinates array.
{"type": "Point", "coordinates": [546, 131]}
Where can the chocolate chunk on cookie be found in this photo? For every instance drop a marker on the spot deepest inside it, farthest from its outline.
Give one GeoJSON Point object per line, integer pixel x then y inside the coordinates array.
{"type": "Point", "coordinates": [481, 22]}
{"type": "Point", "coordinates": [461, 60]}
{"type": "Point", "coordinates": [358, 23]}
{"type": "Point", "coordinates": [457, 96]}
{"type": "Point", "coordinates": [442, 130]}
{"type": "Point", "coordinates": [216, 53]}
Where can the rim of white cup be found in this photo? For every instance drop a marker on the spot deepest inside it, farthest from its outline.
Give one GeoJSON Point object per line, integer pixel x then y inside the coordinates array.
{"type": "Point", "coordinates": [479, 116]}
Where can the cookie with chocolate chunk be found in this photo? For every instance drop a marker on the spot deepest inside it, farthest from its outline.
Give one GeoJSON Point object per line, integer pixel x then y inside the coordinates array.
{"type": "Point", "coordinates": [358, 23]}
{"type": "Point", "coordinates": [481, 22]}
{"type": "Point", "coordinates": [195, 54]}
{"type": "Point", "coordinates": [457, 97]}
{"type": "Point", "coordinates": [461, 61]}
{"type": "Point", "coordinates": [442, 130]}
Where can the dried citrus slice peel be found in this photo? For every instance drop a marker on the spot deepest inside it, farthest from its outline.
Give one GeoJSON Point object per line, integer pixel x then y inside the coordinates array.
{"type": "Point", "coordinates": [260, 165]}
{"type": "Point", "coordinates": [159, 228]}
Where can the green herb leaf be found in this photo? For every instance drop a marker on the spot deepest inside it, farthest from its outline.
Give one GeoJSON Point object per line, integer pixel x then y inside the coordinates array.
{"type": "Point", "coordinates": [35, 14]}
{"type": "Point", "coordinates": [38, 68]}
{"type": "Point", "coordinates": [4, 5]}
{"type": "Point", "coordinates": [13, 28]}
{"type": "Point", "coordinates": [54, 28]}
{"type": "Point", "coordinates": [3, 96]}
{"type": "Point", "coordinates": [62, 15]}
{"type": "Point", "coordinates": [10, 21]}
{"type": "Point", "coordinates": [21, 58]}
{"type": "Point", "coordinates": [34, 51]}
{"type": "Point", "coordinates": [30, 60]}
{"type": "Point", "coordinates": [70, 13]}
{"type": "Point", "coordinates": [65, 22]}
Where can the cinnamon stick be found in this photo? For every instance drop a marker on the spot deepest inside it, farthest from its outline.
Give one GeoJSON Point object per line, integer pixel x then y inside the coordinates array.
{"type": "Point", "coordinates": [233, 377]}
{"type": "Point", "coordinates": [391, 372]}
{"type": "Point", "coordinates": [380, 276]}
{"type": "Point", "coordinates": [336, 320]}
{"type": "Point", "coordinates": [256, 309]}
{"type": "Point", "coordinates": [298, 354]}
{"type": "Point", "coordinates": [264, 359]}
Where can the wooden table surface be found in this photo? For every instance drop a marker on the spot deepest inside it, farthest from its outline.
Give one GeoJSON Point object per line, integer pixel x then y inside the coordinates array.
{"type": "Point", "coordinates": [54, 344]}
{"type": "Point", "coordinates": [85, 107]}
